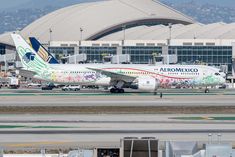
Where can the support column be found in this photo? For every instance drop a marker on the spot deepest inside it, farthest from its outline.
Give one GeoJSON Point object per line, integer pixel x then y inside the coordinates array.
{"type": "Point", "coordinates": [132, 145]}
{"type": "Point", "coordinates": [233, 60]}
{"type": "Point", "coordinates": [165, 54]}
{"type": "Point", "coordinates": [76, 52]}
{"type": "Point", "coordinates": [118, 54]}
{"type": "Point", "coordinates": [149, 148]}
{"type": "Point", "coordinates": [95, 152]}
{"type": "Point", "coordinates": [121, 152]}
{"type": "Point", "coordinates": [119, 50]}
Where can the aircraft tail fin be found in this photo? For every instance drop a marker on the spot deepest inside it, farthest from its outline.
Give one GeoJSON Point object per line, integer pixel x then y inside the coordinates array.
{"type": "Point", "coordinates": [42, 52]}
{"type": "Point", "coordinates": [29, 59]}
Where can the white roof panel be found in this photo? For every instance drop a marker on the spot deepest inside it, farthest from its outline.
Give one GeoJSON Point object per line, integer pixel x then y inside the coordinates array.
{"type": "Point", "coordinates": [98, 18]}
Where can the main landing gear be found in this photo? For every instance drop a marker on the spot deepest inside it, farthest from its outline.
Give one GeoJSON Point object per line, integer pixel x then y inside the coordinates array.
{"type": "Point", "coordinates": [117, 90]}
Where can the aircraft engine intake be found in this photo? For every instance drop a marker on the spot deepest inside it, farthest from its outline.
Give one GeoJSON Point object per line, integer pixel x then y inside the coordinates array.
{"type": "Point", "coordinates": [146, 84]}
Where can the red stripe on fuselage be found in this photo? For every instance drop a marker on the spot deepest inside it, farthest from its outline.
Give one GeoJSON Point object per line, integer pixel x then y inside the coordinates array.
{"type": "Point", "coordinates": [147, 72]}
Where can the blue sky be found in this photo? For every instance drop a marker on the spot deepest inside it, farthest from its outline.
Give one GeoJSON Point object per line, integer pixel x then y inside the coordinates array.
{"type": "Point", "coordinates": [227, 3]}
{"type": "Point", "coordinates": [5, 4]}
{"type": "Point", "coordinates": [15, 4]}
{"type": "Point", "coordinates": [11, 3]}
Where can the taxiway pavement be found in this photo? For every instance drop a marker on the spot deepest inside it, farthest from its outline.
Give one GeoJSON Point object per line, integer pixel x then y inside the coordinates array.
{"type": "Point", "coordinates": [91, 130]}
{"type": "Point", "coordinates": [107, 130]}
{"type": "Point", "coordinates": [116, 100]}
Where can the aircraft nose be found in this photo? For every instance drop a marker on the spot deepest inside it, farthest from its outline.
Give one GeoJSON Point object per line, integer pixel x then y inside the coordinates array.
{"type": "Point", "coordinates": [223, 80]}
{"type": "Point", "coordinates": [223, 75]}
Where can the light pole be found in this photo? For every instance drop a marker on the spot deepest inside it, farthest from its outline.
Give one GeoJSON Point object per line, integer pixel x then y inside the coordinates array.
{"type": "Point", "coordinates": [170, 29]}
{"type": "Point", "coordinates": [50, 31]}
{"type": "Point", "coordinates": [5, 62]}
{"type": "Point", "coordinates": [81, 30]}
{"type": "Point", "coordinates": [80, 43]}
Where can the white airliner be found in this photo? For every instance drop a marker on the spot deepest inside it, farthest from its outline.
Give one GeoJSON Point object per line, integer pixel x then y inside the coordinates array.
{"type": "Point", "coordinates": [142, 77]}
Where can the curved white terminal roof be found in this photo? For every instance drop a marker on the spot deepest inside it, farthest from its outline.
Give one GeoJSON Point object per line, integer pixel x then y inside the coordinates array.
{"type": "Point", "coordinates": [178, 31]}
{"type": "Point", "coordinates": [101, 18]}
{"type": "Point", "coordinates": [6, 39]}
{"type": "Point", "coordinates": [104, 20]}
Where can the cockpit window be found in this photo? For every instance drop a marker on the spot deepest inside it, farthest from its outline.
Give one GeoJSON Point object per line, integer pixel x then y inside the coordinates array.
{"type": "Point", "coordinates": [217, 74]}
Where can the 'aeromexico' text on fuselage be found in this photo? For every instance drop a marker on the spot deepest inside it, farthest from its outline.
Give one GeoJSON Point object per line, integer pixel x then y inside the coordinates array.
{"type": "Point", "coordinates": [183, 70]}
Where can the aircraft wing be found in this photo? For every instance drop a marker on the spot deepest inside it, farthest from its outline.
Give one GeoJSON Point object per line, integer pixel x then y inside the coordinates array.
{"type": "Point", "coordinates": [115, 76]}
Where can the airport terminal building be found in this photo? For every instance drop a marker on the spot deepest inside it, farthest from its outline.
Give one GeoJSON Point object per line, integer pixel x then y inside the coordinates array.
{"type": "Point", "coordinates": [130, 32]}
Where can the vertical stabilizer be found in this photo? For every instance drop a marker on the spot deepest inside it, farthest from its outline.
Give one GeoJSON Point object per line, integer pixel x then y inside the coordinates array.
{"type": "Point", "coordinates": [29, 59]}
{"type": "Point", "coordinates": [42, 51]}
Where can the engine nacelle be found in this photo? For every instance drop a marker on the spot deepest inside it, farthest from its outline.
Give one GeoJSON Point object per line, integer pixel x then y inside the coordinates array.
{"type": "Point", "coordinates": [146, 84]}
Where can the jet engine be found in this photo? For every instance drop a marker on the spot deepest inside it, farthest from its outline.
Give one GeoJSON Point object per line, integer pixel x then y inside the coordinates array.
{"type": "Point", "coordinates": [146, 84]}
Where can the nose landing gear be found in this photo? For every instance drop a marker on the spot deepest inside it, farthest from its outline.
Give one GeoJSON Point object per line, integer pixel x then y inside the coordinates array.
{"type": "Point", "coordinates": [207, 90]}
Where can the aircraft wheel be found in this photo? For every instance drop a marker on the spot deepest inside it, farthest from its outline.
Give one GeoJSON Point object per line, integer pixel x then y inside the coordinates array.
{"type": "Point", "coordinates": [116, 90]}
{"type": "Point", "coordinates": [121, 91]}
{"type": "Point", "coordinates": [207, 91]}
{"type": "Point", "coordinates": [112, 90]}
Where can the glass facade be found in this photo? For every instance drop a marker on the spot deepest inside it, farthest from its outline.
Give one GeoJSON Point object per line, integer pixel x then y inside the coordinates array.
{"type": "Point", "coordinates": [142, 54]}
{"type": "Point", "coordinates": [96, 54]}
{"type": "Point", "coordinates": [61, 52]}
{"type": "Point", "coordinates": [211, 55]}
{"type": "Point", "coordinates": [2, 49]}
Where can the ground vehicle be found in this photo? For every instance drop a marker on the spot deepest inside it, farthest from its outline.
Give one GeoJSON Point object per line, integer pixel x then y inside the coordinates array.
{"type": "Point", "coordinates": [71, 88]}
{"type": "Point", "coordinates": [91, 87]}
{"type": "Point", "coordinates": [14, 83]}
{"type": "Point", "coordinates": [50, 86]}
{"type": "Point", "coordinates": [34, 85]}
{"type": "Point", "coordinates": [223, 86]}
{"type": "Point", "coordinates": [47, 88]}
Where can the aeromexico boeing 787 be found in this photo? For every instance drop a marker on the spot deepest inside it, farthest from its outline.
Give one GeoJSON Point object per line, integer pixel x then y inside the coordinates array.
{"type": "Point", "coordinates": [142, 77]}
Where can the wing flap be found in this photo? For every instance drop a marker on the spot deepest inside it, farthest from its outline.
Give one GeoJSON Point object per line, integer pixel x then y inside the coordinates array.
{"type": "Point", "coordinates": [115, 76]}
